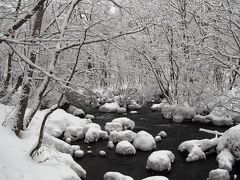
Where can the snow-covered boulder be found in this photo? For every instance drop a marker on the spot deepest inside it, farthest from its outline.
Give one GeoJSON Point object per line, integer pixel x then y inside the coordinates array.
{"type": "Point", "coordinates": [102, 153]}
{"type": "Point", "coordinates": [79, 153]}
{"type": "Point", "coordinates": [218, 174]}
{"type": "Point", "coordinates": [156, 107]}
{"type": "Point", "coordinates": [113, 126]}
{"type": "Point", "coordinates": [125, 122]}
{"type": "Point", "coordinates": [158, 138]}
{"type": "Point", "coordinates": [91, 125]}
{"type": "Point", "coordinates": [156, 178]}
{"type": "Point", "coordinates": [59, 120]}
{"type": "Point", "coordinates": [125, 148]}
{"type": "Point", "coordinates": [196, 148]}
{"type": "Point", "coordinates": [122, 135]}
{"type": "Point", "coordinates": [110, 145]}
{"type": "Point", "coordinates": [89, 116]}
{"type": "Point", "coordinates": [133, 112]}
{"type": "Point", "coordinates": [94, 134]}
{"type": "Point", "coordinates": [163, 134]}
{"type": "Point", "coordinates": [121, 110]}
{"type": "Point", "coordinates": [225, 160]}
{"type": "Point", "coordinates": [75, 147]}
{"type": "Point", "coordinates": [201, 119]}
{"type": "Point", "coordinates": [220, 120]}
{"type": "Point", "coordinates": [109, 107]}
{"type": "Point", "coordinates": [144, 141]}
{"type": "Point", "coordinates": [134, 106]}
{"type": "Point", "coordinates": [116, 176]}
{"type": "Point", "coordinates": [74, 133]}
{"type": "Point", "coordinates": [160, 160]}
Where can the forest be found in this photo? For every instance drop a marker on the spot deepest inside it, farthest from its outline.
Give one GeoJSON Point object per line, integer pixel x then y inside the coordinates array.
{"type": "Point", "coordinates": [69, 67]}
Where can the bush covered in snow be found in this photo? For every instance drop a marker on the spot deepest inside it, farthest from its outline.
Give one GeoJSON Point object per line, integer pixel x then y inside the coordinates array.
{"type": "Point", "coordinates": [160, 160]}
{"type": "Point", "coordinates": [125, 148]}
{"type": "Point", "coordinates": [144, 141]}
{"type": "Point", "coordinates": [94, 134]}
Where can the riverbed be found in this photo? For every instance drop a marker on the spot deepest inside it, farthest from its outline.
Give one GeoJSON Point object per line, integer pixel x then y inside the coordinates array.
{"type": "Point", "coordinates": [134, 166]}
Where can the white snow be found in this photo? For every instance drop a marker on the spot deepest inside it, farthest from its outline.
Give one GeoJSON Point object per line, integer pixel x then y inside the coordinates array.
{"type": "Point", "coordinates": [133, 112]}
{"type": "Point", "coordinates": [160, 160]}
{"type": "Point", "coordinates": [122, 135]}
{"type": "Point", "coordinates": [116, 176]}
{"type": "Point", "coordinates": [156, 107]}
{"type": "Point", "coordinates": [125, 122]}
{"type": "Point", "coordinates": [75, 147]}
{"type": "Point", "coordinates": [79, 153]}
{"type": "Point", "coordinates": [113, 126]}
{"type": "Point", "coordinates": [158, 138]}
{"type": "Point", "coordinates": [144, 141]}
{"type": "Point", "coordinates": [156, 178]}
{"type": "Point", "coordinates": [201, 119]}
{"type": "Point", "coordinates": [125, 148]}
{"type": "Point", "coordinates": [109, 107]}
{"type": "Point", "coordinates": [225, 160]}
{"type": "Point", "coordinates": [94, 134]}
{"type": "Point", "coordinates": [220, 120]}
{"type": "Point", "coordinates": [218, 174]}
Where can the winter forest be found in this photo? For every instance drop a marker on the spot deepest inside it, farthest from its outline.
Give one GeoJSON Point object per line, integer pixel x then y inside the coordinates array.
{"type": "Point", "coordinates": [119, 89]}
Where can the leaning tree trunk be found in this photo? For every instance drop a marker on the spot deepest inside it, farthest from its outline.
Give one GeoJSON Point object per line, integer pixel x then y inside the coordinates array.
{"type": "Point", "coordinates": [26, 86]}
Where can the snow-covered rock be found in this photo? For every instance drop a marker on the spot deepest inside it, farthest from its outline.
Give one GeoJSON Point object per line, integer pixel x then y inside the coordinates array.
{"type": "Point", "coordinates": [94, 134]}
{"type": "Point", "coordinates": [113, 126]}
{"type": "Point", "coordinates": [125, 148]}
{"type": "Point", "coordinates": [163, 134]}
{"type": "Point", "coordinates": [169, 111]}
{"type": "Point", "coordinates": [225, 160]}
{"type": "Point", "coordinates": [218, 174]}
{"type": "Point", "coordinates": [59, 120]}
{"type": "Point", "coordinates": [134, 106]}
{"type": "Point", "coordinates": [160, 160]}
{"type": "Point", "coordinates": [144, 141]}
{"type": "Point", "coordinates": [121, 110]}
{"type": "Point", "coordinates": [133, 112]}
{"type": "Point", "coordinates": [220, 120]}
{"type": "Point", "coordinates": [156, 178]}
{"type": "Point", "coordinates": [201, 119]}
{"type": "Point", "coordinates": [110, 145]}
{"type": "Point", "coordinates": [79, 113]}
{"type": "Point", "coordinates": [89, 116]}
{"type": "Point", "coordinates": [125, 122]}
{"type": "Point", "coordinates": [116, 176]}
{"type": "Point", "coordinates": [158, 138]}
{"type": "Point", "coordinates": [178, 118]}
{"type": "Point", "coordinates": [109, 107]}
{"type": "Point", "coordinates": [156, 107]}
{"type": "Point", "coordinates": [196, 148]}
{"type": "Point", "coordinates": [102, 153]}
{"type": "Point", "coordinates": [74, 133]}
{"type": "Point", "coordinates": [79, 153]}
{"type": "Point", "coordinates": [230, 140]}
{"type": "Point", "coordinates": [122, 135]}
{"type": "Point", "coordinates": [91, 125]}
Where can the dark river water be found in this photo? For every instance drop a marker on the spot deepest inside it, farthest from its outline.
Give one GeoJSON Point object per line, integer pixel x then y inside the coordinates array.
{"type": "Point", "coordinates": [134, 166]}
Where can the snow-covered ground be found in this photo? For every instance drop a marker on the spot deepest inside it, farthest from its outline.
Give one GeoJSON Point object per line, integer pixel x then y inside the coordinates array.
{"type": "Point", "coordinates": [15, 162]}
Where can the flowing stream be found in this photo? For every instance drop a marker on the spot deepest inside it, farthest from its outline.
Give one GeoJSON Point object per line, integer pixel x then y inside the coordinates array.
{"type": "Point", "coordinates": [134, 166]}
